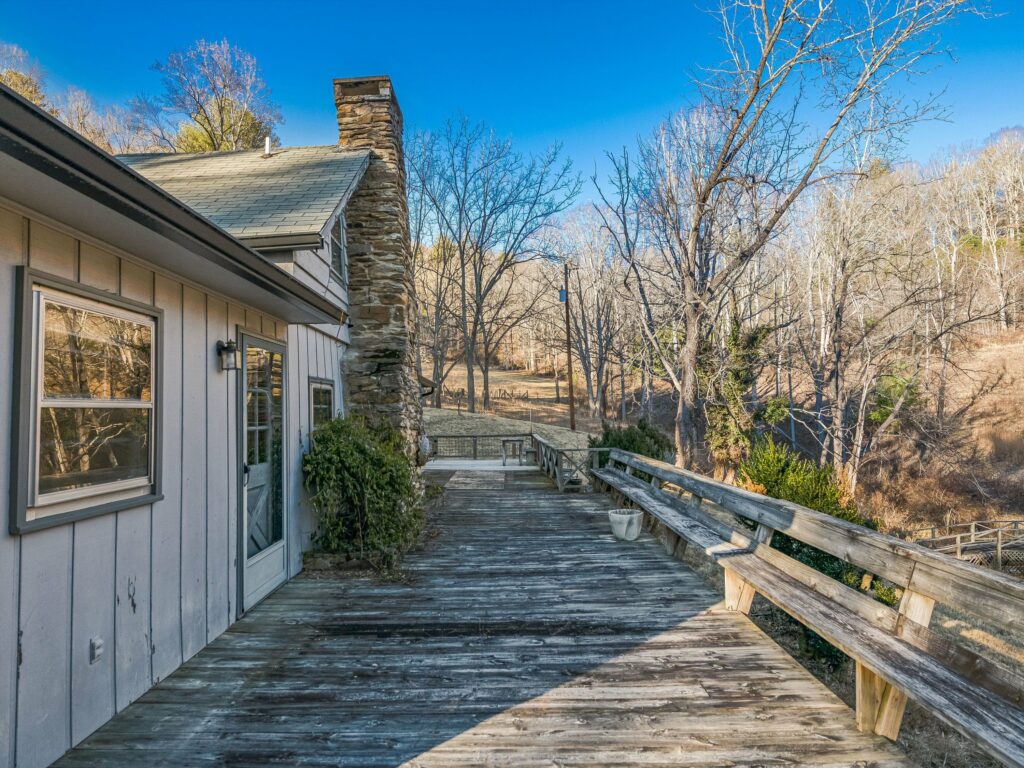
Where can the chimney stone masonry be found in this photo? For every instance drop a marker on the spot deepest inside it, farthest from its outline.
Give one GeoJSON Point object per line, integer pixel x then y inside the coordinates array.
{"type": "Point", "coordinates": [380, 367]}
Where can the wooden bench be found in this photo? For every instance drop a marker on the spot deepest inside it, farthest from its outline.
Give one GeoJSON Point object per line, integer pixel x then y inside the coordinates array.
{"type": "Point", "coordinates": [897, 656]}
{"type": "Point", "coordinates": [510, 443]}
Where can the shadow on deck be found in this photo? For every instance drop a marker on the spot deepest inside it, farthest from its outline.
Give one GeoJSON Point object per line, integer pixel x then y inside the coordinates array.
{"type": "Point", "coordinates": [523, 635]}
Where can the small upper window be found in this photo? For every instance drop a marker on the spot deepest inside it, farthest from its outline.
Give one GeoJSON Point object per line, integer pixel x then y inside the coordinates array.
{"type": "Point", "coordinates": [89, 415]}
{"type": "Point", "coordinates": [339, 259]}
{"type": "Point", "coordinates": [321, 402]}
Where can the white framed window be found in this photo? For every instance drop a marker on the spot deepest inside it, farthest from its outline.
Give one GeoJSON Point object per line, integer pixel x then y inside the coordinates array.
{"type": "Point", "coordinates": [339, 256]}
{"type": "Point", "coordinates": [321, 402]}
{"type": "Point", "coordinates": [87, 403]}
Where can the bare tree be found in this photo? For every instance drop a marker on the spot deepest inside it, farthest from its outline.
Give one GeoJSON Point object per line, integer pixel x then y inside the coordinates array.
{"type": "Point", "coordinates": [595, 277]}
{"type": "Point", "coordinates": [23, 76]}
{"type": "Point", "coordinates": [438, 335]}
{"type": "Point", "coordinates": [113, 128]}
{"type": "Point", "coordinates": [994, 197]}
{"type": "Point", "coordinates": [491, 203]}
{"type": "Point", "coordinates": [717, 180]}
{"type": "Point", "coordinates": [214, 99]}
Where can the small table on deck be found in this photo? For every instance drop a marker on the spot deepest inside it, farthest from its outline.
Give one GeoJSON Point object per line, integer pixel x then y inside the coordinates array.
{"type": "Point", "coordinates": [509, 442]}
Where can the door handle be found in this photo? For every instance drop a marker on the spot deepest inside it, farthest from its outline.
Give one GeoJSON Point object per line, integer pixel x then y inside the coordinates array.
{"type": "Point", "coordinates": [245, 475]}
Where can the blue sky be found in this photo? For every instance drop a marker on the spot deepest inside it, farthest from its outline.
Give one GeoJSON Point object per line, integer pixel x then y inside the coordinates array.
{"type": "Point", "coordinates": [592, 75]}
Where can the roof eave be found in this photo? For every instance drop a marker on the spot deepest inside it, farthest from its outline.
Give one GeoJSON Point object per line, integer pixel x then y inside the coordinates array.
{"type": "Point", "coordinates": [38, 140]}
{"type": "Point", "coordinates": [287, 242]}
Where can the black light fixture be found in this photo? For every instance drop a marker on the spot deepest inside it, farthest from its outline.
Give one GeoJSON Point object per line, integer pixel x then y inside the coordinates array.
{"type": "Point", "coordinates": [227, 351]}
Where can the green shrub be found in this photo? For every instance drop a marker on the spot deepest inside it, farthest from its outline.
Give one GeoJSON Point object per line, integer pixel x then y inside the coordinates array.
{"type": "Point", "coordinates": [777, 471]}
{"type": "Point", "coordinates": [364, 490]}
{"type": "Point", "coordinates": [641, 438]}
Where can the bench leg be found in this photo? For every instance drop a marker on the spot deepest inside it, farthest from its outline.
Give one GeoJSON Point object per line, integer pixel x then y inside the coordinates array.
{"type": "Point", "coordinates": [870, 690]}
{"type": "Point", "coordinates": [893, 702]}
{"type": "Point", "coordinates": [891, 707]}
{"type": "Point", "coordinates": [739, 594]}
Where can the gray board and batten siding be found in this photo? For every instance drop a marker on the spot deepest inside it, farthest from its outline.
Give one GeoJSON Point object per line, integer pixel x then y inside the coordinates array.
{"type": "Point", "coordinates": [156, 582]}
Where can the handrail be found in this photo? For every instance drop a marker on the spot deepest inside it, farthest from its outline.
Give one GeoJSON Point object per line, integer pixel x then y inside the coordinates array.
{"type": "Point", "coordinates": [557, 463]}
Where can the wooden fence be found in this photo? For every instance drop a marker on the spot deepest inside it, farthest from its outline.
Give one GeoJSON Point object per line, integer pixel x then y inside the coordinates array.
{"type": "Point", "coordinates": [997, 544]}
{"type": "Point", "coordinates": [473, 446]}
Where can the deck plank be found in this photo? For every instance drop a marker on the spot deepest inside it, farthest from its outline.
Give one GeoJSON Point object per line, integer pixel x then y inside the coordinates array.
{"type": "Point", "coordinates": [522, 634]}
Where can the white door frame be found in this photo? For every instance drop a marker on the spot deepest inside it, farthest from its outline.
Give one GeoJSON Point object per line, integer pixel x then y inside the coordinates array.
{"type": "Point", "coordinates": [269, 567]}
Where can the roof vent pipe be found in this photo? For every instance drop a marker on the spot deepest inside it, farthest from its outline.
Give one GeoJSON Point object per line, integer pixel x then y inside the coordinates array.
{"type": "Point", "coordinates": [266, 147]}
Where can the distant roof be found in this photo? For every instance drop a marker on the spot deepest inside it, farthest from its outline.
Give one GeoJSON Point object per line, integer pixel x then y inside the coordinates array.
{"type": "Point", "coordinates": [284, 197]}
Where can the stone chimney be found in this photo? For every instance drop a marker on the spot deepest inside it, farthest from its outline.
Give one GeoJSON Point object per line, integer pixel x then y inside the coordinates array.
{"type": "Point", "coordinates": [380, 366]}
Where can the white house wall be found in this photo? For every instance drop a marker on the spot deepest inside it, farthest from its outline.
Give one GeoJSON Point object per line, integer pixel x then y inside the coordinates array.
{"type": "Point", "coordinates": [316, 351]}
{"type": "Point", "coordinates": [313, 269]}
{"type": "Point", "coordinates": [156, 583]}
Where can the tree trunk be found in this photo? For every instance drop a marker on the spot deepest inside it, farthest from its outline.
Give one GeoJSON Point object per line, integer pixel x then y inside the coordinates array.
{"type": "Point", "coordinates": [688, 406]}
{"type": "Point", "coordinates": [485, 375]}
{"type": "Point", "coordinates": [622, 389]}
{"type": "Point", "coordinates": [470, 381]}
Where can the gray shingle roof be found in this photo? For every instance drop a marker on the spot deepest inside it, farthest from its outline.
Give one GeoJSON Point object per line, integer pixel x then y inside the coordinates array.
{"type": "Point", "coordinates": [291, 192]}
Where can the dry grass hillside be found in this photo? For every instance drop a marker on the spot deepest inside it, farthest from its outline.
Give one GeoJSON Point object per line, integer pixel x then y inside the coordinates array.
{"type": "Point", "coordinates": [979, 476]}
{"type": "Point", "coordinates": [444, 421]}
{"type": "Point", "coordinates": [524, 396]}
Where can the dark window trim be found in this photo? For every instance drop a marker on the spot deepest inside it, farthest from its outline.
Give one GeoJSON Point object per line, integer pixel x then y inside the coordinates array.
{"type": "Point", "coordinates": [339, 220]}
{"type": "Point", "coordinates": [319, 381]}
{"type": "Point", "coordinates": [23, 403]}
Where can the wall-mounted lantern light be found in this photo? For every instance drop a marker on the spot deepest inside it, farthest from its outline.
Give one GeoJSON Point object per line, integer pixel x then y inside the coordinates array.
{"type": "Point", "coordinates": [228, 353]}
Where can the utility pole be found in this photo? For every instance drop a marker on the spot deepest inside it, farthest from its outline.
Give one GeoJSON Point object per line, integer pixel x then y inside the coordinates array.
{"type": "Point", "coordinates": [568, 352]}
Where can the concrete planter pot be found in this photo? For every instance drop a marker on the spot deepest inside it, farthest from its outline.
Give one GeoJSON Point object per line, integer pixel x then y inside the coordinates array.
{"type": "Point", "coordinates": [626, 523]}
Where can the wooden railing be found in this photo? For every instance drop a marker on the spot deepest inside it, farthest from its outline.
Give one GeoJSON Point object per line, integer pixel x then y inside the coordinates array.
{"type": "Point", "coordinates": [998, 544]}
{"type": "Point", "coordinates": [898, 656]}
{"type": "Point", "coordinates": [473, 446]}
{"type": "Point", "coordinates": [568, 467]}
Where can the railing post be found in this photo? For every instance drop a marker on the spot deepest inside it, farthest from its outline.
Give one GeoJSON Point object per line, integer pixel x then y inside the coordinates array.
{"type": "Point", "coordinates": [999, 549]}
{"type": "Point", "coordinates": [474, 446]}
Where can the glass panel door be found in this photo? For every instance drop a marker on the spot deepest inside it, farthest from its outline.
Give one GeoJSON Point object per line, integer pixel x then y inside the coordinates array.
{"type": "Point", "coordinates": [262, 471]}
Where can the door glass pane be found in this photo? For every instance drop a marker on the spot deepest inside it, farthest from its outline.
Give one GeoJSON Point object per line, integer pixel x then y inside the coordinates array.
{"type": "Point", "coordinates": [264, 409]}
{"type": "Point", "coordinates": [81, 447]}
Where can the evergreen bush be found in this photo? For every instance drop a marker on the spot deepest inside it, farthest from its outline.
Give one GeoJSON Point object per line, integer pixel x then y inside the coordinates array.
{"type": "Point", "coordinates": [775, 470]}
{"type": "Point", "coordinates": [364, 489]}
{"type": "Point", "coordinates": [641, 438]}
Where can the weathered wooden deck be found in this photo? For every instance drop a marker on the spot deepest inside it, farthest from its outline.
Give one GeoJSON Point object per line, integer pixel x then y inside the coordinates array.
{"type": "Point", "coordinates": [523, 635]}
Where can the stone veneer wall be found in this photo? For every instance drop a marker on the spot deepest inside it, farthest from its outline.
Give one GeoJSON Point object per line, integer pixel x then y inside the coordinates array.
{"type": "Point", "coordinates": [380, 371]}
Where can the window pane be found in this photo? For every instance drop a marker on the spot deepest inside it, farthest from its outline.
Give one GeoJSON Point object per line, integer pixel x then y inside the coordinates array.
{"type": "Point", "coordinates": [323, 405]}
{"type": "Point", "coordinates": [81, 447]}
{"type": "Point", "coordinates": [337, 250]}
{"type": "Point", "coordinates": [94, 356]}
